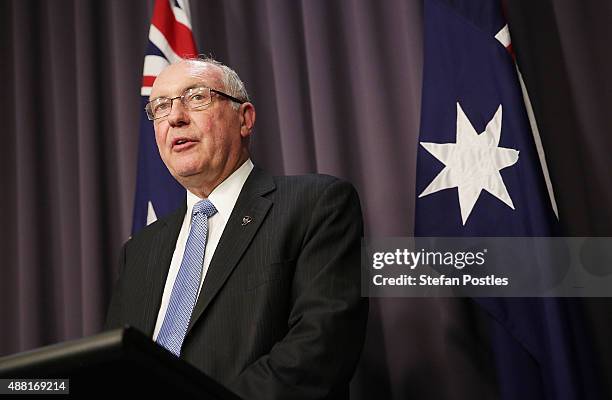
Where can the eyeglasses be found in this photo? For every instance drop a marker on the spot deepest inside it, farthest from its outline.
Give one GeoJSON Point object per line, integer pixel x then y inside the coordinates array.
{"type": "Point", "coordinates": [194, 98]}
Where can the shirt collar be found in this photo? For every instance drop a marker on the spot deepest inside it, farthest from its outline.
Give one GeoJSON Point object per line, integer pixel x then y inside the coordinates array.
{"type": "Point", "coordinates": [225, 195]}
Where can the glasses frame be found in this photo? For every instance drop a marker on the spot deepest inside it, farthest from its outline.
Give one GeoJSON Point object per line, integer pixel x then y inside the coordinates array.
{"type": "Point", "coordinates": [148, 106]}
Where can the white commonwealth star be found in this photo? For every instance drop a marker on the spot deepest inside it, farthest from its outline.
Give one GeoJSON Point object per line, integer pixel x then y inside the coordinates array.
{"type": "Point", "coordinates": [473, 163]}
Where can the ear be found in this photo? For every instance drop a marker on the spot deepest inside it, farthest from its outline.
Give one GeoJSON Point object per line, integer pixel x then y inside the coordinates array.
{"type": "Point", "coordinates": [247, 119]}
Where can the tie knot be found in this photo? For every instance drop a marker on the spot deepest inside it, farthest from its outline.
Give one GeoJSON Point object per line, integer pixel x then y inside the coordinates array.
{"type": "Point", "coordinates": [205, 207]}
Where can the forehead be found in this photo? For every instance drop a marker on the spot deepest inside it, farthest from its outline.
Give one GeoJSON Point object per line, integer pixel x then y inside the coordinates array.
{"type": "Point", "coordinates": [173, 80]}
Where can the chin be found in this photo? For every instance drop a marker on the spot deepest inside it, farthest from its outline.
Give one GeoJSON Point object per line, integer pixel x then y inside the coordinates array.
{"type": "Point", "coordinates": [183, 171]}
{"type": "Point", "coordinates": [186, 173]}
{"type": "Point", "coordinates": [186, 169]}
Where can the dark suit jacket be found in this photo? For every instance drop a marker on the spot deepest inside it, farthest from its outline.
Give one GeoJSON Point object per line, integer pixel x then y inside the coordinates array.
{"type": "Point", "coordinates": [280, 313]}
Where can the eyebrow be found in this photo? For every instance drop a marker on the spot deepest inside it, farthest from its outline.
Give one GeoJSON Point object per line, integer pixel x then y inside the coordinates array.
{"type": "Point", "coordinates": [195, 85]}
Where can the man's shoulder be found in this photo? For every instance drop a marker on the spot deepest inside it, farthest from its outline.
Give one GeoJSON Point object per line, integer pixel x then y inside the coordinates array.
{"type": "Point", "coordinates": [315, 182]}
{"type": "Point", "coordinates": [305, 180]}
{"type": "Point", "coordinates": [301, 190]}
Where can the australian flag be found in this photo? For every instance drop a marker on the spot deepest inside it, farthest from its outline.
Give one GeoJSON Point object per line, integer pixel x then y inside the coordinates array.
{"type": "Point", "coordinates": [170, 39]}
{"type": "Point", "coordinates": [481, 171]}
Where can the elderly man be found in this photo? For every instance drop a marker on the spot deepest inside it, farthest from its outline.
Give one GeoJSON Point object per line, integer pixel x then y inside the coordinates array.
{"type": "Point", "coordinates": [255, 280]}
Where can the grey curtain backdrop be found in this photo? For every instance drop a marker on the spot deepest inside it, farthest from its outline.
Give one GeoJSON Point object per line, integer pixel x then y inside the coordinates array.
{"type": "Point", "coordinates": [563, 50]}
{"type": "Point", "coordinates": [337, 88]}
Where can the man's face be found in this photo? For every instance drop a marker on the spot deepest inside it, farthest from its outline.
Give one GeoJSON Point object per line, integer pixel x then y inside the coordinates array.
{"type": "Point", "coordinates": [200, 147]}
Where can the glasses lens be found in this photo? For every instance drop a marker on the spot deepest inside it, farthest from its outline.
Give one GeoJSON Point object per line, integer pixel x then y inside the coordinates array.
{"type": "Point", "coordinates": [197, 97]}
{"type": "Point", "coordinates": [160, 107]}
{"type": "Point", "coordinates": [193, 99]}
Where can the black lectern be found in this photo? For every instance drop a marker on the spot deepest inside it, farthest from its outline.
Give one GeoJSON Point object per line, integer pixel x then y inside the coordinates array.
{"type": "Point", "coordinates": [118, 362]}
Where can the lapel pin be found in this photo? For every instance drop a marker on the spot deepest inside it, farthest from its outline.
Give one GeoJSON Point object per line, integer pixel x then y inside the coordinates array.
{"type": "Point", "coordinates": [246, 219]}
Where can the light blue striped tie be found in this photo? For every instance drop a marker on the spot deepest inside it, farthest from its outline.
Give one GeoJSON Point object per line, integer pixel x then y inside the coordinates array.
{"type": "Point", "coordinates": [187, 283]}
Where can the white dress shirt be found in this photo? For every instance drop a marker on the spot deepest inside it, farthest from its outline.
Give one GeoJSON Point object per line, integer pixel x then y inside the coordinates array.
{"type": "Point", "coordinates": [223, 198]}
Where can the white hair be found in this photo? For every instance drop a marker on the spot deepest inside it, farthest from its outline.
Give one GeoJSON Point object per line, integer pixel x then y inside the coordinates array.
{"type": "Point", "coordinates": [232, 83]}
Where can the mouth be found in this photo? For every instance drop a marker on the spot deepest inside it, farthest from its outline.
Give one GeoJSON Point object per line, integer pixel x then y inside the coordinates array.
{"type": "Point", "coordinates": [182, 143]}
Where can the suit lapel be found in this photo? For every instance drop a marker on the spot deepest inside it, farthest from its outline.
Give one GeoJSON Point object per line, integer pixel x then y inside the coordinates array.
{"type": "Point", "coordinates": [236, 237]}
{"type": "Point", "coordinates": [158, 265]}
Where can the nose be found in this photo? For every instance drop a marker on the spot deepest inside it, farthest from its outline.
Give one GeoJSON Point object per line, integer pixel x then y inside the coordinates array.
{"type": "Point", "coordinates": [178, 113]}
